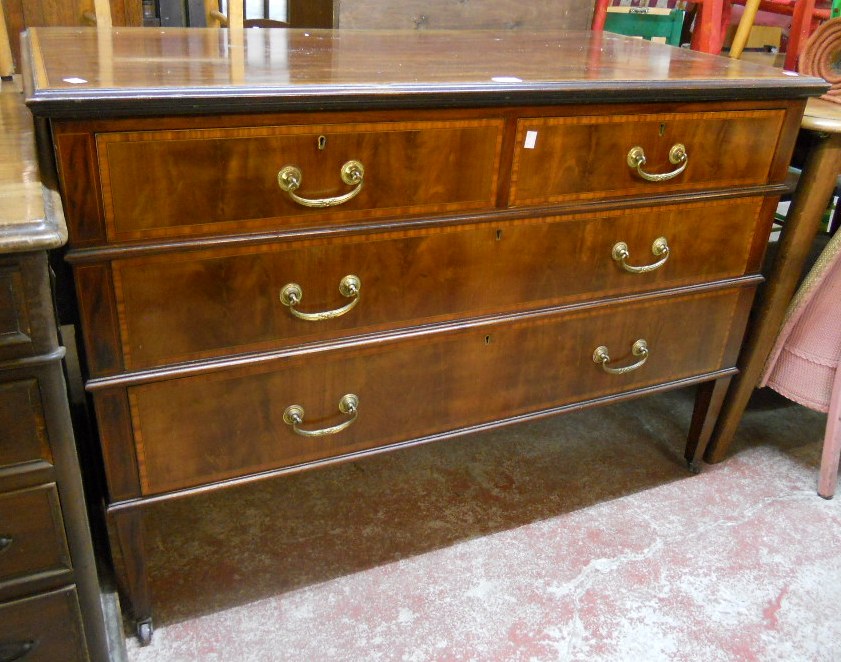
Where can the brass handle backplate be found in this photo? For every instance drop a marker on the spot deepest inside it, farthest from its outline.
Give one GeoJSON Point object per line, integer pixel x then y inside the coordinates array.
{"type": "Point", "coordinates": [352, 173]}
{"type": "Point", "coordinates": [660, 247]}
{"type": "Point", "coordinates": [677, 156]}
{"type": "Point", "coordinates": [602, 357]}
{"type": "Point", "coordinates": [349, 287]}
{"type": "Point", "coordinates": [348, 405]}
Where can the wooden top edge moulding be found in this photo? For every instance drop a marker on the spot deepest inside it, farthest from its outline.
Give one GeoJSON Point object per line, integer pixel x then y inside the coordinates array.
{"type": "Point", "coordinates": [73, 72]}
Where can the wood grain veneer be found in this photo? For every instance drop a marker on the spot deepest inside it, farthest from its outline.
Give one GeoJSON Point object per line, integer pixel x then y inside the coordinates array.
{"type": "Point", "coordinates": [210, 303]}
{"type": "Point", "coordinates": [50, 602]}
{"type": "Point", "coordinates": [465, 377]}
{"type": "Point", "coordinates": [32, 519]}
{"type": "Point", "coordinates": [165, 183]}
{"type": "Point", "coordinates": [44, 627]}
{"type": "Point", "coordinates": [293, 69]}
{"type": "Point", "coordinates": [22, 420]}
{"type": "Point", "coordinates": [484, 251]}
{"type": "Point", "coordinates": [547, 172]}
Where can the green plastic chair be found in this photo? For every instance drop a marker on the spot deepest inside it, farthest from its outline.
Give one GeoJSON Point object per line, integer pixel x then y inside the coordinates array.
{"type": "Point", "coordinates": [647, 24]}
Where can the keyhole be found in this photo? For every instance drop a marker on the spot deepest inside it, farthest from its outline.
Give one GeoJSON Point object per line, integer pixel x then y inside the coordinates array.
{"type": "Point", "coordinates": [488, 340]}
{"type": "Point", "coordinates": [322, 142]}
{"type": "Point", "coordinates": [662, 130]}
{"type": "Point", "coordinates": [498, 235]}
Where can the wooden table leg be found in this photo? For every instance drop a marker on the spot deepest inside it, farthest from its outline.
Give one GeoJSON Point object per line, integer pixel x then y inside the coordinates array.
{"type": "Point", "coordinates": [817, 183]}
{"type": "Point", "coordinates": [708, 401]}
{"type": "Point", "coordinates": [743, 31]}
{"type": "Point", "coordinates": [131, 577]}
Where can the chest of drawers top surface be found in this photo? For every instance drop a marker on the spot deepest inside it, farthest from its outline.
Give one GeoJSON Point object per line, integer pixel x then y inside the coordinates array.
{"type": "Point", "coordinates": [30, 214]}
{"type": "Point", "coordinates": [126, 71]}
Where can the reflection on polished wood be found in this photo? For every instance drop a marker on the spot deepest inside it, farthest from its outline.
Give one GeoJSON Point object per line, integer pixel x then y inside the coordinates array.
{"type": "Point", "coordinates": [496, 187]}
{"type": "Point", "coordinates": [49, 590]}
{"type": "Point", "coordinates": [24, 199]}
{"type": "Point", "coordinates": [175, 67]}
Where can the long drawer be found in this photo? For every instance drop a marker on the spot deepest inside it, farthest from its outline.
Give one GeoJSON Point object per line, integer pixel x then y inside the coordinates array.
{"type": "Point", "coordinates": [579, 157]}
{"type": "Point", "coordinates": [188, 182]}
{"type": "Point", "coordinates": [205, 427]}
{"type": "Point", "coordinates": [207, 303]}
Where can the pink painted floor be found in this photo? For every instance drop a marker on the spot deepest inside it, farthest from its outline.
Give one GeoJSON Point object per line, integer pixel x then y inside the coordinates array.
{"type": "Point", "coordinates": [576, 538]}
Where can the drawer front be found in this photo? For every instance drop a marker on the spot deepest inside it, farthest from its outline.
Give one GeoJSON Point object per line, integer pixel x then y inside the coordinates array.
{"type": "Point", "coordinates": [15, 325]}
{"type": "Point", "coordinates": [32, 536]}
{"type": "Point", "coordinates": [202, 304]}
{"type": "Point", "coordinates": [187, 182]}
{"type": "Point", "coordinates": [27, 324]}
{"type": "Point", "coordinates": [45, 628]}
{"type": "Point", "coordinates": [217, 425]}
{"type": "Point", "coordinates": [24, 437]}
{"type": "Point", "coordinates": [574, 158]}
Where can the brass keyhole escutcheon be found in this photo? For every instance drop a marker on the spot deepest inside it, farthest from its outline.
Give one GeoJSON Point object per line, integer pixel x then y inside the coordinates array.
{"type": "Point", "coordinates": [322, 142]}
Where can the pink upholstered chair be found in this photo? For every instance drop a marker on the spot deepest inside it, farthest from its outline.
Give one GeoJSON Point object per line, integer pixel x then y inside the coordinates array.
{"type": "Point", "coordinates": [803, 365]}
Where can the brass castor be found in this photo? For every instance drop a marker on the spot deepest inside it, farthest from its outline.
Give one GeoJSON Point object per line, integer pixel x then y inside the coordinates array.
{"type": "Point", "coordinates": [144, 632]}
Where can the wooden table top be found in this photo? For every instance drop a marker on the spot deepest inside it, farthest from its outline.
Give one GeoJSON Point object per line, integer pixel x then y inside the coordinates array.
{"type": "Point", "coordinates": [194, 70]}
{"type": "Point", "coordinates": [31, 216]}
{"type": "Point", "coordinates": [822, 115]}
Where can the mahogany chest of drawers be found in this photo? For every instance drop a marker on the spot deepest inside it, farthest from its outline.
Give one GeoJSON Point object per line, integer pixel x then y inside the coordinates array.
{"type": "Point", "coordinates": [304, 247]}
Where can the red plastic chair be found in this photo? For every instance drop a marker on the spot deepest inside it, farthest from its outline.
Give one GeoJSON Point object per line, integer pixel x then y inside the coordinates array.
{"type": "Point", "coordinates": [714, 20]}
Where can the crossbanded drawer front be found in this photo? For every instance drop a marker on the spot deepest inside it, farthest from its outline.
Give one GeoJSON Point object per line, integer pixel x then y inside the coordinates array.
{"type": "Point", "coordinates": [32, 536]}
{"type": "Point", "coordinates": [192, 182]}
{"type": "Point", "coordinates": [209, 303]}
{"type": "Point", "coordinates": [574, 158]}
{"type": "Point", "coordinates": [200, 428]}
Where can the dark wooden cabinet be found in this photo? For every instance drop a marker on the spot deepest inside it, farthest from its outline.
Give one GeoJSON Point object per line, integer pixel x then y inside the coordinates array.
{"type": "Point", "coordinates": [289, 261]}
{"type": "Point", "coordinates": [50, 607]}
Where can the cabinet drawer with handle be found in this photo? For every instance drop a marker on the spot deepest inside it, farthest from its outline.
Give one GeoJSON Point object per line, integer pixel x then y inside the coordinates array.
{"type": "Point", "coordinates": [201, 181]}
{"type": "Point", "coordinates": [561, 159]}
{"type": "Point", "coordinates": [32, 538]}
{"type": "Point", "coordinates": [176, 307]}
{"type": "Point", "coordinates": [44, 628]}
{"type": "Point", "coordinates": [299, 408]}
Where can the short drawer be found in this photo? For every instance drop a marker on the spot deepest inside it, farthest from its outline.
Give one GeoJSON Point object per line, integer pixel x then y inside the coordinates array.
{"type": "Point", "coordinates": [27, 327]}
{"type": "Point", "coordinates": [22, 420]}
{"type": "Point", "coordinates": [226, 423]}
{"type": "Point", "coordinates": [44, 628]}
{"type": "Point", "coordinates": [188, 182]}
{"type": "Point", "coordinates": [32, 539]}
{"type": "Point", "coordinates": [575, 158]}
{"type": "Point", "coordinates": [208, 303]}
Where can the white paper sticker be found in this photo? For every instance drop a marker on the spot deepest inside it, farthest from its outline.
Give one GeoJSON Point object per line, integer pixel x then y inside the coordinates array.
{"type": "Point", "coordinates": [531, 139]}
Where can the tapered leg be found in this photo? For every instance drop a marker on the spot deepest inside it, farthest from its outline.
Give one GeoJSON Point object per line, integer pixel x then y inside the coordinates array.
{"type": "Point", "coordinates": [813, 191]}
{"type": "Point", "coordinates": [708, 401]}
{"type": "Point", "coordinates": [127, 527]}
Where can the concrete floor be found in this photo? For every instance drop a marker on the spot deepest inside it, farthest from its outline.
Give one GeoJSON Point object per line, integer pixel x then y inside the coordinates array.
{"type": "Point", "coordinates": [580, 537]}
